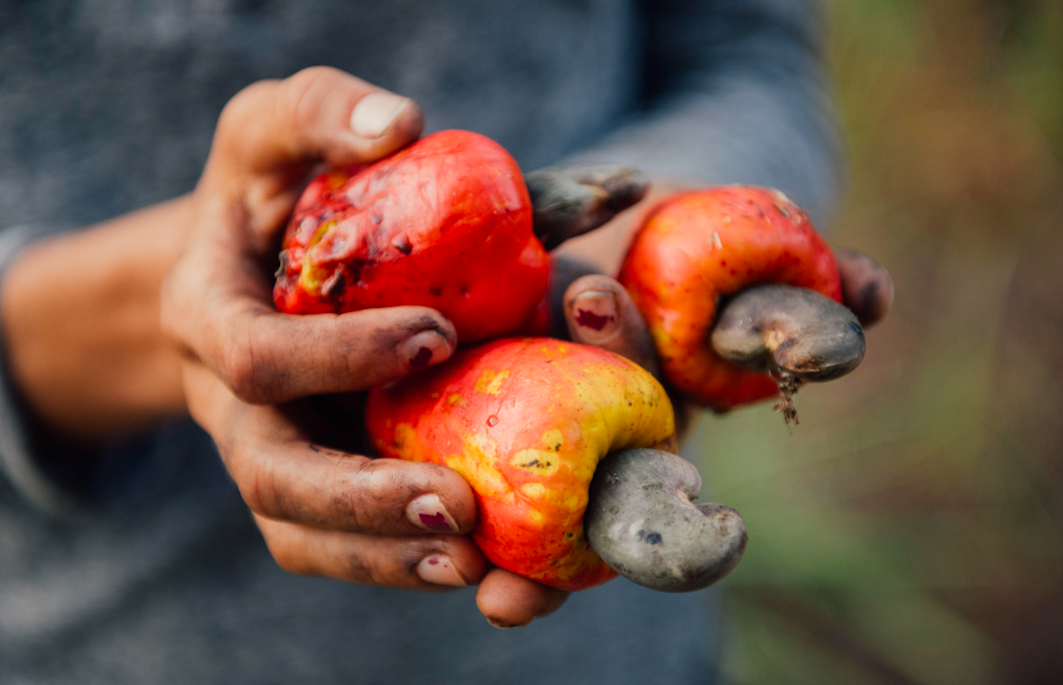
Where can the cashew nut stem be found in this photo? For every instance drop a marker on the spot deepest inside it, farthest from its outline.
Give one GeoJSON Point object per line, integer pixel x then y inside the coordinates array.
{"type": "Point", "coordinates": [641, 521]}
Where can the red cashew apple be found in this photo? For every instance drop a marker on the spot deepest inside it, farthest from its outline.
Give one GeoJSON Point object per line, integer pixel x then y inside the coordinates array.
{"type": "Point", "coordinates": [526, 422]}
{"type": "Point", "coordinates": [444, 223]}
{"type": "Point", "coordinates": [706, 271]}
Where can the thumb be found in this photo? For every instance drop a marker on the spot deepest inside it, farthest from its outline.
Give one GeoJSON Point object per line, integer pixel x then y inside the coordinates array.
{"type": "Point", "coordinates": [318, 114]}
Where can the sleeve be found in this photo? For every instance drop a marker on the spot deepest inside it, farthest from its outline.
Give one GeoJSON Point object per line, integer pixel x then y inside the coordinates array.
{"type": "Point", "coordinates": [735, 91]}
{"type": "Point", "coordinates": [18, 468]}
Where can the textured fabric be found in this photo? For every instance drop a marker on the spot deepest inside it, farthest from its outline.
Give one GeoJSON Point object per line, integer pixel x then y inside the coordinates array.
{"type": "Point", "coordinates": [109, 105]}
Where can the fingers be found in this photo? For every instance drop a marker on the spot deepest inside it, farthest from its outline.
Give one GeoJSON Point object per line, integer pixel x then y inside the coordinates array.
{"type": "Point", "coordinates": [319, 114]}
{"type": "Point", "coordinates": [283, 476]}
{"type": "Point", "coordinates": [216, 300]}
{"type": "Point", "coordinates": [422, 562]}
{"type": "Point", "coordinates": [215, 304]}
{"type": "Point", "coordinates": [265, 357]}
{"type": "Point", "coordinates": [569, 201]}
{"type": "Point", "coordinates": [599, 312]}
{"type": "Point", "coordinates": [867, 287]}
{"type": "Point", "coordinates": [508, 601]}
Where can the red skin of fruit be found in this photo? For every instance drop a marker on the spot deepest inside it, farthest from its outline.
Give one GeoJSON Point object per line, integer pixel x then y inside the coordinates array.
{"type": "Point", "coordinates": [525, 422]}
{"type": "Point", "coordinates": [696, 247]}
{"type": "Point", "coordinates": [444, 223]}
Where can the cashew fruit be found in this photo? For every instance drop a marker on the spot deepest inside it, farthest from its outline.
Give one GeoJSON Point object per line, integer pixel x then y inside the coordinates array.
{"type": "Point", "coordinates": [444, 223]}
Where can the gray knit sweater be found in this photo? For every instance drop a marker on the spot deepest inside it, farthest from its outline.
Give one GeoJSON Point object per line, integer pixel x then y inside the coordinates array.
{"type": "Point", "coordinates": [147, 568]}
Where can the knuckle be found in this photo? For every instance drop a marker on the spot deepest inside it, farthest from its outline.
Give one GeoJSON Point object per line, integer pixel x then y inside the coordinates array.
{"type": "Point", "coordinates": [370, 573]}
{"type": "Point", "coordinates": [285, 556]}
{"type": "Point", "coordinates": [303, 96]}
{"type": "Point", "coordinates": [376, 496]}
{"type": "Point", "coordinates": [250, 364]}
{"type": "Point", "coordinates": [233, 114]}
{"type": "Point", "coordinates": [253, 485]}
{"type": "Point", "coordinates": [240, 372]}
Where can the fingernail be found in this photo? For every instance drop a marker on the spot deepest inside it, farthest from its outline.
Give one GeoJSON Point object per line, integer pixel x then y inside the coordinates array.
{"type": "Point", "coordinates": [424, 349]}
{"type": "Point", "coordinates": [375, 112]}
{"type": "Point", "coordinates": [595, 312]}
{"type": "Point", "coordinates": [428, 512]}
{"type": "Point", "coordinates": [502, 624]}
{"type": "Point", "coordinates": [439, 570]}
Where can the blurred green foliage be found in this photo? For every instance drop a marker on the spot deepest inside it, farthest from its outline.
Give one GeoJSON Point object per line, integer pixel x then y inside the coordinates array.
{"type": "Point", "coordinates": [910, 529]}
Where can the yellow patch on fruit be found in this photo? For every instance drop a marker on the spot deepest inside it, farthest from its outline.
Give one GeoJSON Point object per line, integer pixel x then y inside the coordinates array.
{"type": "Point", "coordinates": [476, 464]}
{"type": "Point", "coordinates": [611, 428]}
{"type": "Point", "coordinates": [456, 400]}
{"type": "Point", "coordinates": [537, 462]}
{"type": "Point", "coordinates": [553, 440]}
{"type": "Point", "coordinates": [311, 277]}
{"type": "Point", "coordinates": [534, 490]}
{"type": "Point", "coordinates": [491, 382]}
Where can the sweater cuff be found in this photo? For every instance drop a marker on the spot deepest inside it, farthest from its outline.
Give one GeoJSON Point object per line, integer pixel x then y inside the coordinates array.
{"type": "Point", "coordinates": [17, 464]}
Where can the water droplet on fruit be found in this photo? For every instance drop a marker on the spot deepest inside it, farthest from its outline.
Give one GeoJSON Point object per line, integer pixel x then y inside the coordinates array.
{"type": "Point", "coordinates": [492, 420]}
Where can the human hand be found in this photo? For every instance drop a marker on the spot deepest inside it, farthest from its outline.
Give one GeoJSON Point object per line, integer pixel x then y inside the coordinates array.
{"type": "Point", "coordinates": [322, 511]}
{"type": "Point", "coordinates": [250, 371]}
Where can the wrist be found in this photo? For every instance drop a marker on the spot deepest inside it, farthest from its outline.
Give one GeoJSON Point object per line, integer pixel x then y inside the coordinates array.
{"type": "Point", "coordinates": [80, 317]}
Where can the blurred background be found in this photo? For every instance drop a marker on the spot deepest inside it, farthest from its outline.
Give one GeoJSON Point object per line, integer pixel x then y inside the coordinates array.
{"type": "Point", "coordinates": [910, 529]}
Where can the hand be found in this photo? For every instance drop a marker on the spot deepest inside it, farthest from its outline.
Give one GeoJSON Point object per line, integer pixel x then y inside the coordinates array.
{"type": "Point", "coordinates": [250, 373]}
{"type": "Point", "coordinates": [321, 511]}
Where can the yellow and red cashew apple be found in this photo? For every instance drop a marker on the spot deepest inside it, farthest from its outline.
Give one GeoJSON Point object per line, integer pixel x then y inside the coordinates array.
{"type": "Point", "coordinates": [526, 422]}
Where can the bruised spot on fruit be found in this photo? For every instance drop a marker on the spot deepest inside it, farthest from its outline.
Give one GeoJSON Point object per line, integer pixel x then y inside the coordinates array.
{"type": "Point", "coordinates": [402, 245]}
{"type": "Point", "coordinates": [491, 382]}
{"type": "Point", "coordinates": [282, 265]}
{"type": "Point", "coordinates": [335, 285]}
{"type": "Point", "coordinates": [405, 440]}
{"type": "Point", "coordinates": [537, 462]}
{"type": "Point", "coordinates": [435, 291]}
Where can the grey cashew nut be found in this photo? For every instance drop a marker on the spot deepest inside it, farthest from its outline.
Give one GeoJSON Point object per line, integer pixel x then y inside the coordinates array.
{"type": "Point", "coordinates": [568, 201]}
{"type": "Point", "coordinates": [790, 332]}
{"type": "Point", "coordinates": [642, 523]}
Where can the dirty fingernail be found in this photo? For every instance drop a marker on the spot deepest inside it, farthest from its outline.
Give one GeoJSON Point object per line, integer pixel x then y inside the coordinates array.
{"type": "Point", "coordinates": [375, 112]}
{"type": "Point", "coordinates": [595, 313]}
{"type": "Point", "coordinates": [424, 349]}
{"type": "Point", "coordinates": [439, 570]}
{"type": "Point", "coordinates": [428, 512]}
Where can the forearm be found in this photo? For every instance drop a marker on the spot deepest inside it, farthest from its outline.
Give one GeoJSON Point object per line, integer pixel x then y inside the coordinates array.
{"type": "Point", "coordinates": [80, 318]}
